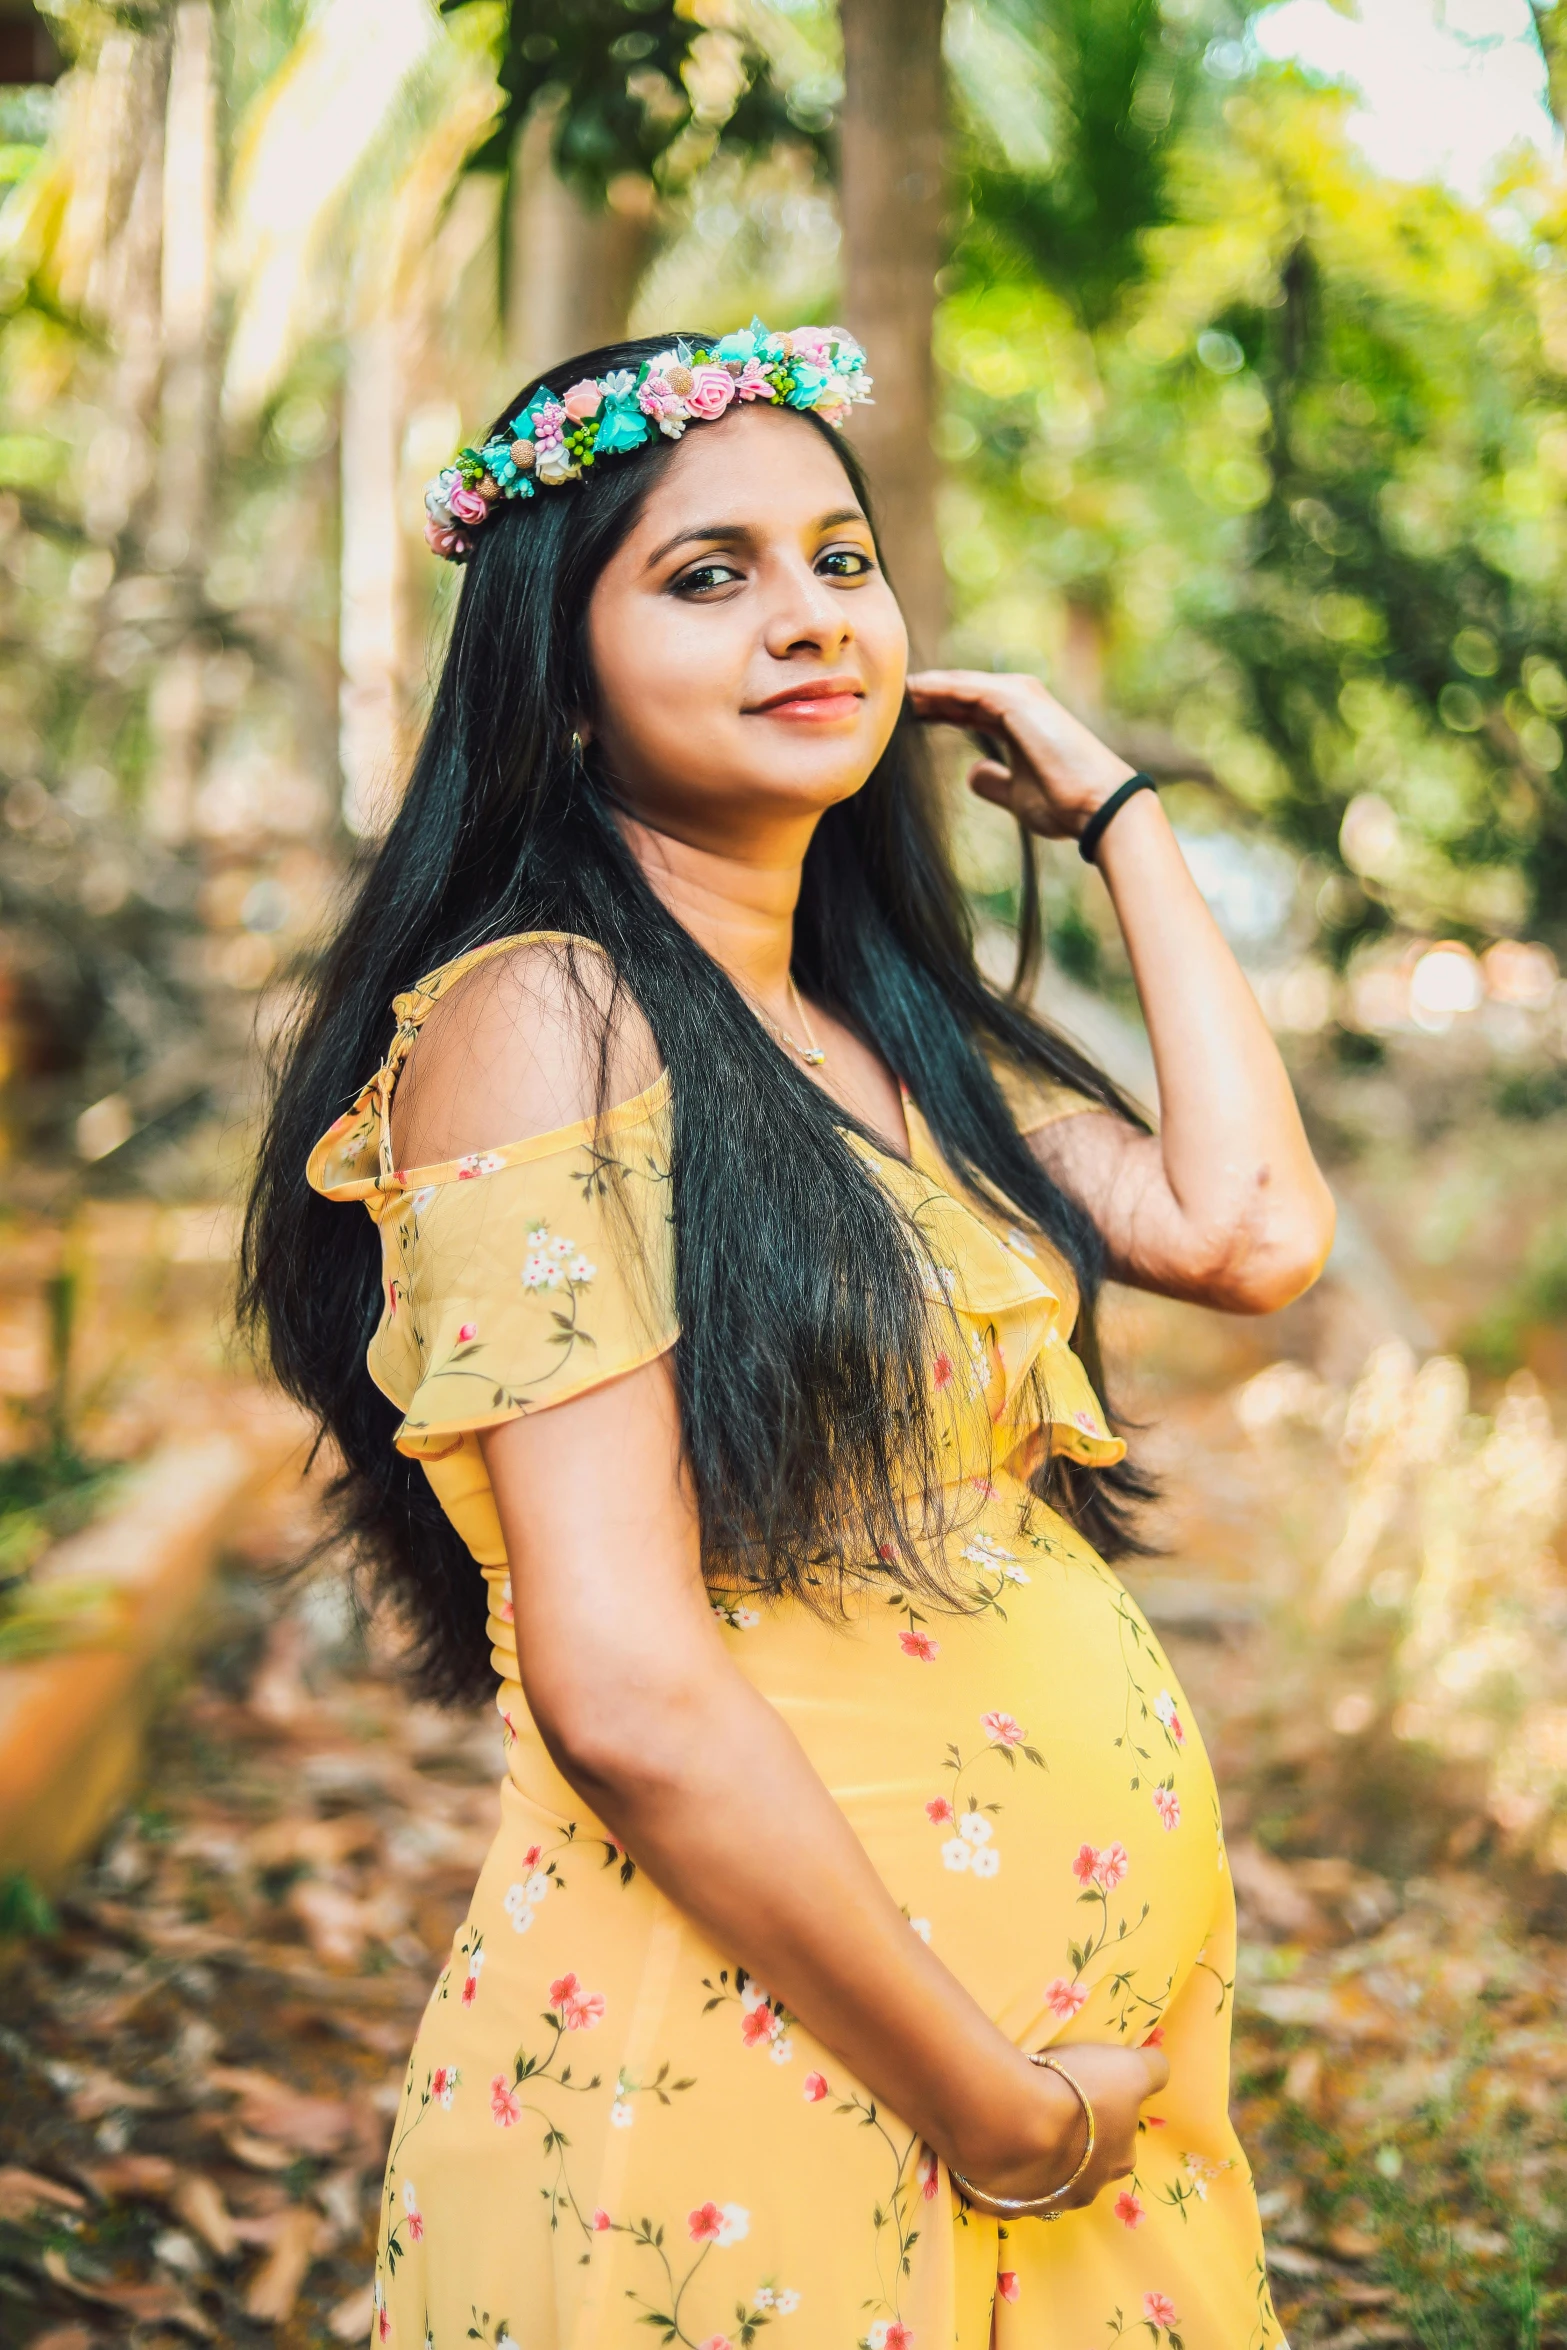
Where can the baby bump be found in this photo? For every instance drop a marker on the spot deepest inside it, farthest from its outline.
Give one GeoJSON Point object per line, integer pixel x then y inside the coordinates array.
{"type": "Point", "coordinates": [1026, 1777]}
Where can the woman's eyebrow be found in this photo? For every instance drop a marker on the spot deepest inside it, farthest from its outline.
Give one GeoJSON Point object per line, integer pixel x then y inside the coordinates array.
{"type": "Point", "coordinates": [727, 534]}
{"type": "Point", "coordinates": [731, 534]}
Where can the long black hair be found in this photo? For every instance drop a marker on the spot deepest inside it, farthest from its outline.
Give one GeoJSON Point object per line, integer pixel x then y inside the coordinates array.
{"type": "Point", "coordinates": [802, 1361]}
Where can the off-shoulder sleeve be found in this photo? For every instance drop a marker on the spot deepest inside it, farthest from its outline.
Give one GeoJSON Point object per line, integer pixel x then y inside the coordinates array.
{"type": "Point", "coordinates": [1036, 1100]}
{"type": "Point", "coordinates": [518, 1278]}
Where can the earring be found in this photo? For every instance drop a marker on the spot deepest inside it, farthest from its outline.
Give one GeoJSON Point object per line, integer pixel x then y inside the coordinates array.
{"type": "Point", "coordinates": [576, 744]}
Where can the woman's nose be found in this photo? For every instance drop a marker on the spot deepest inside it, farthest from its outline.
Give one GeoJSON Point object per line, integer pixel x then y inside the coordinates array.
{"type": "Point", "coordinates": [806, 615]}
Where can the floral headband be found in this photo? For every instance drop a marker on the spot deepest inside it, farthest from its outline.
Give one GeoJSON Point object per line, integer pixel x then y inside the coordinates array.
{"type": "Point", "coordinates": [555, 440]}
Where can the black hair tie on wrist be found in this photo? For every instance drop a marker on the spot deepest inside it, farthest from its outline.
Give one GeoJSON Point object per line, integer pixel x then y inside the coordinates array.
{"type": "Point", "coordinates": [1093, 831]}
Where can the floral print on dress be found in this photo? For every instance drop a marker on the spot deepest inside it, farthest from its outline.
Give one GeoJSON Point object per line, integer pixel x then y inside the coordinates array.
{"type": "Point", "coordinates": [971, 1849]}
{"type": "Point", "coordinates": [573, 2123]}
{"type": "Point", "coordinates": [764, 2021]}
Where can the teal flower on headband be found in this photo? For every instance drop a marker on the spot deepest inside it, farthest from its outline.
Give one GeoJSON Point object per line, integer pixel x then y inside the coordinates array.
{"type": "Point", "coordinates": [621, 426]}
{"type": "Point", "coordinates": [738, 348]}
{"type": "Point", "coordinates": [810, 385]}
{"type": "Point", "coordinates": [503, 469]}
{"type": "Point", "coordinates": [558, 439]}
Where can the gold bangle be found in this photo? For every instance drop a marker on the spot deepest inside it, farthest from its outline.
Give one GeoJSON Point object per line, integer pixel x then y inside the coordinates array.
{"type": "Point", "coordinates": [1035, 2206]}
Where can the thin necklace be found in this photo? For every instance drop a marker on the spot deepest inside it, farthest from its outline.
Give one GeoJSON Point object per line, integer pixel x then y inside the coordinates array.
{"type": "Point", "coordinates": [810, 1052]}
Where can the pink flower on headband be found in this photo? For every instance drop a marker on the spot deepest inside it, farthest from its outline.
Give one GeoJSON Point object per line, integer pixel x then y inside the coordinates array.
{"type": "Point", "coordinates": [467, 505]}
{"type": "Point", "coordinates": [658, 398]}
{"type": "Point", "coordinates": [547, 424]}
{"type": "Point", "coordinates": [712, 389]}
{"type": "Point", "coordinates": [752, 384]}
{"type": "Point", "coordinates": [583, 400]}
{"type": "Point", "coordinates": [814, 343]}
{"type": "Point", "coordinates": [444, 541]}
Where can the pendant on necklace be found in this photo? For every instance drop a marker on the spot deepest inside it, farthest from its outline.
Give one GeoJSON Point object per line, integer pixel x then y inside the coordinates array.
{"type": "Point", "coordinates": [811, 1054]}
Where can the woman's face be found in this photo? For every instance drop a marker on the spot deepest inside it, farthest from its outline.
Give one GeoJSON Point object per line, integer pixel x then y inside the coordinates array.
{"type": "Point", "coordinates": [748, 654]}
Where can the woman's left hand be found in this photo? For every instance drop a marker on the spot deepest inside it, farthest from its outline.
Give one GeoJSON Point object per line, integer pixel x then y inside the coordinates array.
{"type": "Point", "coordinates": [1224, 1205]}
{"type": "Point", "coordinates": [1055, 772]}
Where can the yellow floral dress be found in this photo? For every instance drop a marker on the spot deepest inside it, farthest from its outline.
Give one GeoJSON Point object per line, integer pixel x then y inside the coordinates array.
{"type": "Point", "coordinates": [610, 2133]}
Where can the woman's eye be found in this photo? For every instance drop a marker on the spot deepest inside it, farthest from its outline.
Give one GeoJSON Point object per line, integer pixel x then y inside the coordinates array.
{"type": "Point", "coordinates": [845, 563]}
{"type": "Point", "coordinates": [704, 576]}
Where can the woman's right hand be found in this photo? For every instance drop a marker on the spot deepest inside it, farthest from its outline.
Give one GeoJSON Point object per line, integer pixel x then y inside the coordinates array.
{"type": "Point", "coordinates": [1042, 2144]}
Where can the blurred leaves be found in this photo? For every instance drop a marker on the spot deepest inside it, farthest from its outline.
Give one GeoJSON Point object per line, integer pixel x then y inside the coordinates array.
{"type": "Point", "coordinates": [656, 87]}
{"type": "Point", "coordinates": [1285, 442]}
{"type": "Point", "coordinates": [1110, 86]}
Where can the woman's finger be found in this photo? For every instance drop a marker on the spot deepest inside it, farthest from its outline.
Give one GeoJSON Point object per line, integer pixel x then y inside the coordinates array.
{"type": "Point", "coordinates": [990, 779]}
{"type": "Point", "coordinates": [956, 696]}
{"type": "Point", "coordinates": [1018, 795]}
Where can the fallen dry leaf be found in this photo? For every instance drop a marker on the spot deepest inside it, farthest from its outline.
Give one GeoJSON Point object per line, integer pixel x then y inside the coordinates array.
{"type": "Point", "coordinates": [278, 1695]}
{"type": "Point", "coordinates": [63, 2338]}
{"type": "Point", "coordinates": [339, 1923]}
{"type": "Point", "coordinates": [271, 2109]}
{"type": "Point", "coordinates": [1270, 1895]}
{"type": "Point", "coordinates": [256, 2153]}
{"type": "Point", "coordinates": [386, 2039]}
{"type": "Point", "coordinates": [95, 2093]}
{"type": "Point", "coordinates": [198, 2203]}
{"type": "Point", "coordinates": [1303, 2076]}
{"type": "Point", "coordinates": [274, 2289]}
{"type": "Point", "coordinates": [338, 2195]}
{"type": "Point", "coordinates": [1291, 2261]}
{"type": "Point", "coordinates": [22, 2192]}
{"type": "Point", "coordinates": [352, 2319]}
{"type": "Point", "coordinates": [161, 1930]}
{"type": "Point", "coordinates": [152, 2304]}
{"type": "Point", "coordinates": [1351, 2243]}
{"type": "Point", "coordinates": [130, 2174]}
{"type": "Point", "coordinates": [323, 1843]}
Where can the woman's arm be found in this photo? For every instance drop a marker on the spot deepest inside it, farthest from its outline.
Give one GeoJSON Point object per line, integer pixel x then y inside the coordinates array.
{"type": "Point", "coordinates": [636, 1696]}
{"type": "Point", "coordinates": [646, 1715]}
{"type": "Point", "coordinates": [1225, 1205]}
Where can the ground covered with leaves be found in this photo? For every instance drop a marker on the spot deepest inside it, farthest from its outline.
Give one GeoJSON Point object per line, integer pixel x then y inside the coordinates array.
{"type": "Point", "coordinates": [202, 2034]}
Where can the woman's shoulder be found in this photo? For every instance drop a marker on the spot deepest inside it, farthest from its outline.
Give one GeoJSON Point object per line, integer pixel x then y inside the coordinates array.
{"type": "Point", "coordinates": [516, 1044]}
{"type": "Point", "coordinates": [516, 1050]}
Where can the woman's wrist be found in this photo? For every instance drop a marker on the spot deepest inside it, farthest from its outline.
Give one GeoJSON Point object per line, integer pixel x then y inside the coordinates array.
{"type": "Point", "coordinates": [1024, 2136]}
{"type": "Point", "coordinates": [1108, 812]}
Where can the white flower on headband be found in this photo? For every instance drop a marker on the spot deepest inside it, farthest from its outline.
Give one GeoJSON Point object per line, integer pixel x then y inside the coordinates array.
{"type": "Point", "coordinates": [557, 439]}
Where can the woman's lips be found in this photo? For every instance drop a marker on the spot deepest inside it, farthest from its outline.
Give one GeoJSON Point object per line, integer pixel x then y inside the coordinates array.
{"type": "Point", "coordinates": [818, 704]}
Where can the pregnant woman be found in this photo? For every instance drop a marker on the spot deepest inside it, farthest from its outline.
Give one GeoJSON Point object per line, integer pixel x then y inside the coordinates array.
{"type": "Point", "coordinates": [853, 1962]}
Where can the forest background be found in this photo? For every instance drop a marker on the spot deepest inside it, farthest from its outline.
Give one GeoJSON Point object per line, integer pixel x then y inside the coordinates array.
{"type": "Point", "coordinates": [1258, 454]}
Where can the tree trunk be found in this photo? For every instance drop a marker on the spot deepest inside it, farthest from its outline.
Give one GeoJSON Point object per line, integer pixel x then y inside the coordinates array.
{"type": "Point", "coordinates": [893, 192]}
{"type": "Point", "coordinates": [574, 266]}
{"type": "Point", "coordinates": [370, 696]}
{"type": "Point", "coordinates": [178, 541]}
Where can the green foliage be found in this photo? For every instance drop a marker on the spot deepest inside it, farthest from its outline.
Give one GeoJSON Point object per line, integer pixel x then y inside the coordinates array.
{"type": "Point", "coordinates": [1290, 451]}
{"type": "Point", "coordinates": [1117, 82]}
{"type": "Point", "coordinates": [639, 86]}
{"type": "Point", "coordinates": [1398, 627]}
{"type": "Point", "coordinates": [26, 1912]}
{"type": "Point", "coordinates": [1486, 2282]}
{"type": "Point", "coordinates": [46, 1491]}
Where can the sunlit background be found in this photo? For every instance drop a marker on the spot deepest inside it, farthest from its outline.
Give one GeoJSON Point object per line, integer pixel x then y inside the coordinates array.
{"type": "Point", "coordinates": [1222, 359]}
